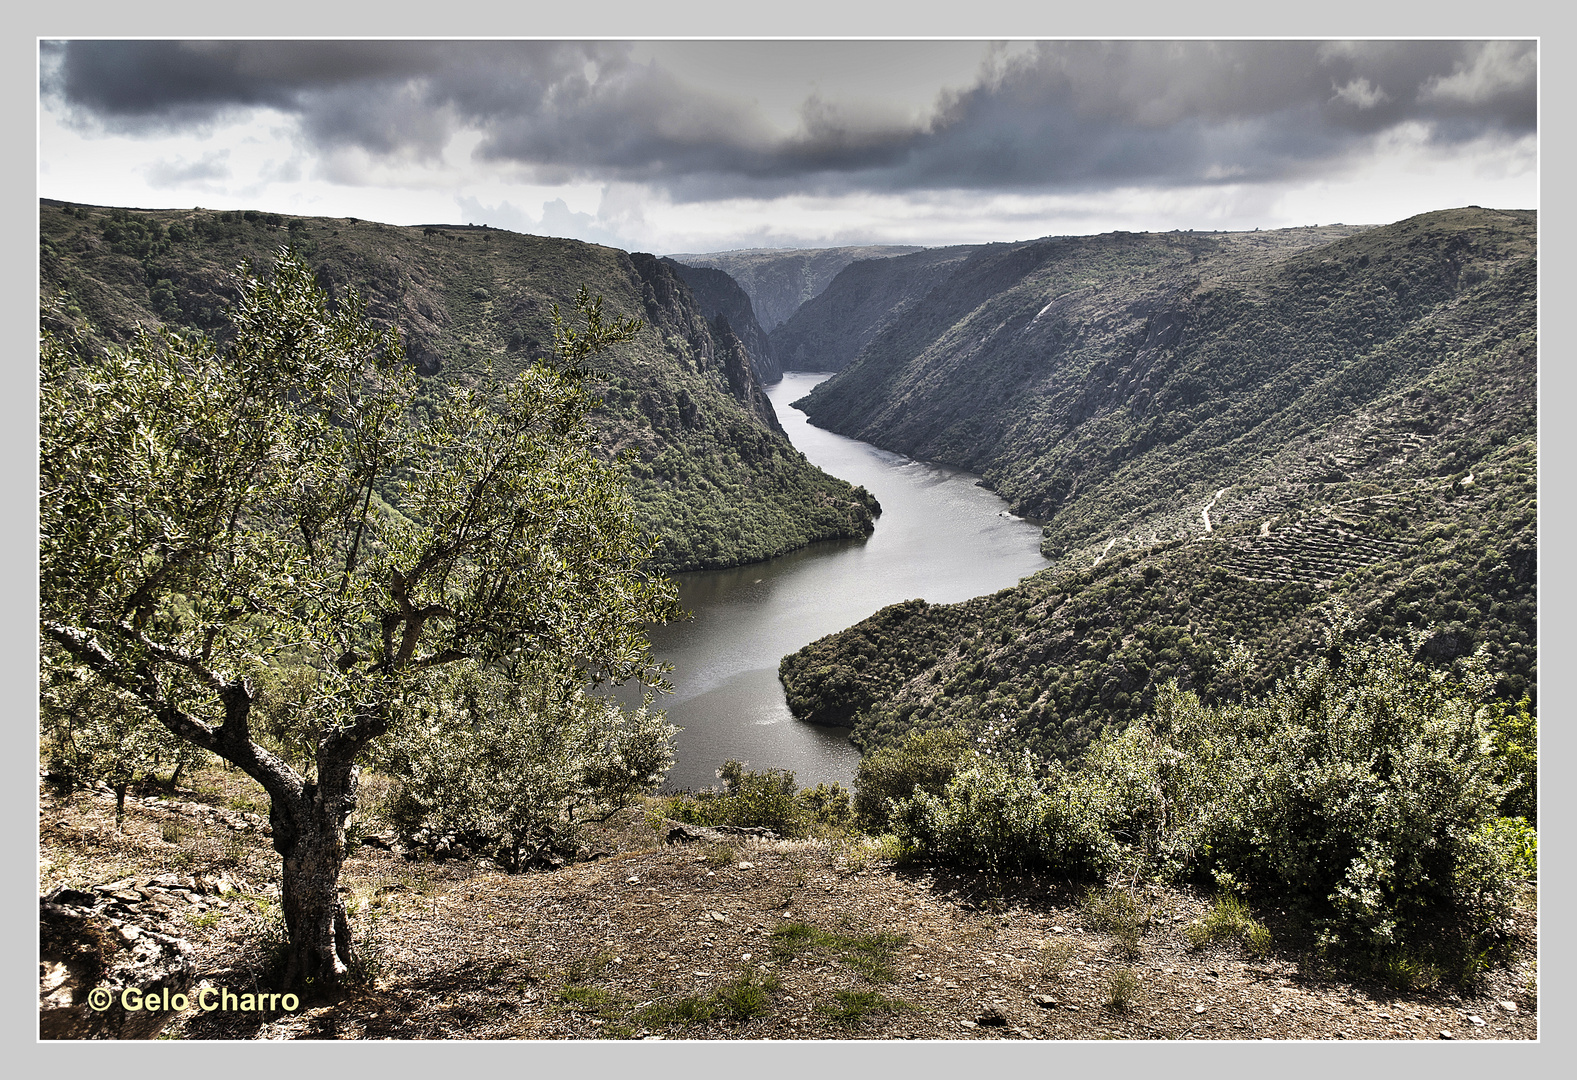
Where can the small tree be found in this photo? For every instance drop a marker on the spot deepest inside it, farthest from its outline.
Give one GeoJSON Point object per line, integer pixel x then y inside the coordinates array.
{"type": "Point", "coordinates": [516, 761]}
{"type": "Point", "coordinates": [98, 734]}
{"type": "Point", "coordinates": [210, 514]}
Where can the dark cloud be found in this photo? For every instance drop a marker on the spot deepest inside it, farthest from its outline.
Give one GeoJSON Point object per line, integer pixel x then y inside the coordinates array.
{"type": "Point", "coordinates": [1061, 116]}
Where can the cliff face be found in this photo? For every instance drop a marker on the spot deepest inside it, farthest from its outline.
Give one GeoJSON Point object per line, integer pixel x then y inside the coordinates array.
{"type": "Point", "coordinates": [714, 348]}
{"type": "Point", "coordinates": [717, 294]}
{"type": "Point", "coordinates": [866, 299]}
{"type": "Point", "coordinates": [714, 478]}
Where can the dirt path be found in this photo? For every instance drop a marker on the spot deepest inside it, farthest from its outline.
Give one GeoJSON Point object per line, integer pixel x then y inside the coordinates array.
{"type": "Point", "coordinates": [1205, 513]}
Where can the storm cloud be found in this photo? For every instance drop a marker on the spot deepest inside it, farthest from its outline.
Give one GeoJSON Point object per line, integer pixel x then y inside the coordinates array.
{"type": "Point", "coordinates": [1060, 116]}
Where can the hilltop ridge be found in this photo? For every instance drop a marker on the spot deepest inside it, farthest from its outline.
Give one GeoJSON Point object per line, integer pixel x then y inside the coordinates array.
{"type": "Point", "coordinates": [713, 476]}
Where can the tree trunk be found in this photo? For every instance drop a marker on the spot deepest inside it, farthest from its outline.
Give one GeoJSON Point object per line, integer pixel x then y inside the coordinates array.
{"type": "Point", "coordinates": [310, 836]}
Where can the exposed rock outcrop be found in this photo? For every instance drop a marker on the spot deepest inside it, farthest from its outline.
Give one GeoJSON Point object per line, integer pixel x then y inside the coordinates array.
{"type": "Point", "coordinates": [720, 296]}
{"type": "Point", "coordinates": [95, 947]}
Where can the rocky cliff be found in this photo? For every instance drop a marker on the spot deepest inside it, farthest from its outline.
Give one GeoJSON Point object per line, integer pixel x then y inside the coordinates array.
{"type": "Point", "coordinates": [720, 296]}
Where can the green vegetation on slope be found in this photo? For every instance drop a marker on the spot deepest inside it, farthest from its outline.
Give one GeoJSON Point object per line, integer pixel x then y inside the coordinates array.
{"type": "Point", "coordinates": [1362, 794]}
{"type": "Point", "coordinates": [1355, 421]}
{"type": "Point", "coordinates": [714, 478]}
{"type": "Point", "coordinates": [1372, 802]}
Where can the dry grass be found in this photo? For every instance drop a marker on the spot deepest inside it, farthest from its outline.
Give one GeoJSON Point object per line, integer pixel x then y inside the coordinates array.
{"type": "Point", "coordinates": [454, 951]}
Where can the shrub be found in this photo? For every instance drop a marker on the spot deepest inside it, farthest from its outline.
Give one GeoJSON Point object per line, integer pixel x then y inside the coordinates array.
{"type": "Point", "coordinates": [826, 808]}
{"type": "Point", "coordinates": [1364, 790]}
{"type": "Point", "coordinates": [1122, 989]}
{"type": "Point", "coordinates": [1054, 958]}
{"type": "Point", "coordinates": [997, 815]}
{"type": "Point", "coordinates": [516, 764]}
{"type": "Point", "coordinates": [763, 799]}
{"type": "Point", "coordinates": [1358, 789]}
{"type": "Point", "coordinates": [1516, 734]}
{"type": "Point", "coordinates": [1373, 787]}
{"type": "Point", "coordinates": [767, 800]}
{"type": "Point", "coordinates": [924, 761]}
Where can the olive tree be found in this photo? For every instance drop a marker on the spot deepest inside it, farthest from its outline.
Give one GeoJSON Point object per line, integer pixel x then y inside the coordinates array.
{"type": "Point", "coordinates": [514, 759]}
{"type": "Point", "coordinates": [211, 514]}
{"type": "Point", "coordinates": [98, 734]}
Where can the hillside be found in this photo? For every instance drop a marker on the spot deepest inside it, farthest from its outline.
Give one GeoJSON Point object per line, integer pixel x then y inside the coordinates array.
{"type": "Point", "coordinates": [779, 280]}
{"type": "Point", "coordinates": [713, 940]}
{"type": "Point", "coordinates": [1223, 434]}
{"type": "Point", "coordinates": [714, 478]}
{"type": "Point", "coordinates": [867, 299]}
{"type": "Point", "coordinates": [717, 294]}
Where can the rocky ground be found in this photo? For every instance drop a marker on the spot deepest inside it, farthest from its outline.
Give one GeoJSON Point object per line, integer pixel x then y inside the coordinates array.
{"type": "Point", "coordinates": [725, 937]}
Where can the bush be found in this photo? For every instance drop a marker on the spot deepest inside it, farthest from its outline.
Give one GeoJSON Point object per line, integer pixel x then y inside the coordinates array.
{"type": "Point", "coordinates": [767, 800]}
{"type": "Point", "coordinates": [514, 764]}
{"type": "Point", "coordinates": [1122, 989]}
{"type": "Point", "coordinates": [997, 815]}
{"type": "Point", "coordinates": [826, 808]}
{"type": "Point", "coordinates": [1230, 920]}
{"type": "Point", "coordinates": [1364, 791]}
{"type": "Point", "coordinates": [924, 761]}
{"type": "Point", "coordinates": [1516, 734]}
{"type": "Point", "coordinates": [760, 799]}
{"type": "Point", "coordinates": [1359, 789]}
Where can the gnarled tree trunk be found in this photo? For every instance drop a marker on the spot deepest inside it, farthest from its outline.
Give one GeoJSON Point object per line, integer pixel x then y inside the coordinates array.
{"type": "Point", "coordinates": [309, 832]}
{"type": "Point", "coordinates": [308, 821]}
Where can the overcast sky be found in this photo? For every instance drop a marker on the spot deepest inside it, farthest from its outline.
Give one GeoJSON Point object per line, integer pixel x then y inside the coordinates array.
{"type": "Point", "coordinates": [700, 146]}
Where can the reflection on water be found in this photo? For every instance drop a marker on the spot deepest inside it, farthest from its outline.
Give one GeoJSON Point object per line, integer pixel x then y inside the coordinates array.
{"type": "Point", "coordinates": [940, 537]}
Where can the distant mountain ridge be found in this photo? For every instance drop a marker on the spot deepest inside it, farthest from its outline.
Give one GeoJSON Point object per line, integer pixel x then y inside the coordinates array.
{"type": "Point", "coordinates": [714, 478]}
{"type": "Point", "coordinates": [779, 280]}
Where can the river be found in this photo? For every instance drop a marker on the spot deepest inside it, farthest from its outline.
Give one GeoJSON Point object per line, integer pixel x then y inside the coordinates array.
{"type": "Point", "coordinates": [940, 537]}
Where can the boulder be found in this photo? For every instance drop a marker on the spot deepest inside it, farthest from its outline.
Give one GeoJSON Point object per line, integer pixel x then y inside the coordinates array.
{"type": "Point", "coordinates": [83, 949]}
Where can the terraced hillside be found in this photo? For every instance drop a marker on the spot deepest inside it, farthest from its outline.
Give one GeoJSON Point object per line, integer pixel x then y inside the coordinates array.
{"type": "Point", "coordinates": [714, 477]}
{"type": "Point", "coordinates": [1367, 438]}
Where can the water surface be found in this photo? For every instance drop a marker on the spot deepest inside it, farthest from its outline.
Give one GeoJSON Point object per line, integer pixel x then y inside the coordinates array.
{"type": "Point", "coordinates": [940, 537]}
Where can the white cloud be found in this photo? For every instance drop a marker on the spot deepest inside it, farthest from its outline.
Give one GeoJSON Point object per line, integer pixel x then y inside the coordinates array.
{"type": "Point", "coordinates": [1361, 93]}
{"type": "Point", "coordinates": [1498, 68]}
{"type": "Point", "coordinates": [208, 173]}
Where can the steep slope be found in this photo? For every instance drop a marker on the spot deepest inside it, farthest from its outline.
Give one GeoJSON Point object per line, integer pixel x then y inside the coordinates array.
{"type": "Point", "coordinates": [720, 295]}
{"type": "Point", "coordinates": [779, 280]}
{"type": "Point", "coordinates": [867, 298]}
{"type": "Point", "coordinates": [1355, 422]}
{"type": "Point", "coordinates": [714, 477]}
